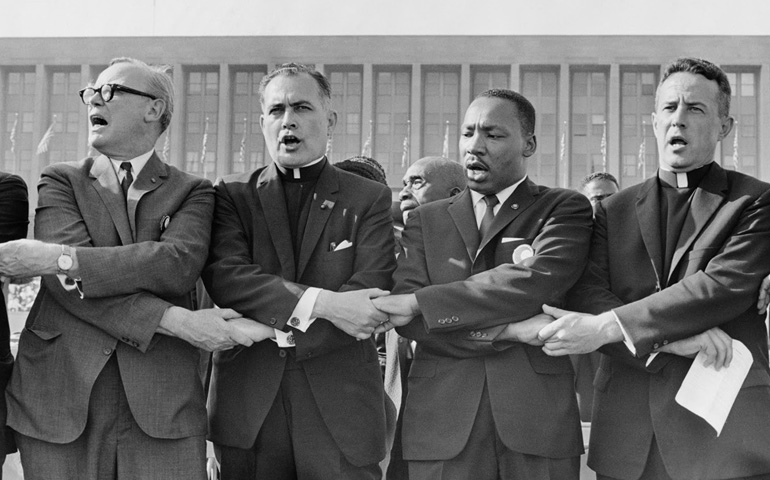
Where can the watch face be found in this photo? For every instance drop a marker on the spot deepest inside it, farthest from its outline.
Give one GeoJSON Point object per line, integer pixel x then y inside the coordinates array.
{"type": "Point", "coordinates": [65, 262]}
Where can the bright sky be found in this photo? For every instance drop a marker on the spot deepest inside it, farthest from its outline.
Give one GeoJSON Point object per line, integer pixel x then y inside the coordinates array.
{"type": "Point", "coordinates": [89, 18]}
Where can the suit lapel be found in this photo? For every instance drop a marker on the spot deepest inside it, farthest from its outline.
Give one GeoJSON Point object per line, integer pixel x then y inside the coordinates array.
{"type": "Point", "coordinates": [461, 211]}
{"type": "Point", "coordinates": [151, 177]}
{"type": "Point", "coordinates": [107, 187]}
{"type": "Point", "coordinates": [271, 198]}
{"type": "Point", "coordinates": [321, 206]}
{"type": "Point", "coordinates": [648, 214]}
{"type": "Point", "coordinates": [520, 200]}
{"type": "Point", "coordinates": [705, 202]}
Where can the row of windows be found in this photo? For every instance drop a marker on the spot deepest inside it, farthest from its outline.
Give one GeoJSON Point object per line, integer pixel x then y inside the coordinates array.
{"type": "Point", "coordinates": [574, 148]}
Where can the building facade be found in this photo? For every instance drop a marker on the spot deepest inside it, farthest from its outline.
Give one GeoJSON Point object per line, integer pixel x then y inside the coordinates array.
{"type": "Point", "coordinates": [398, 98]}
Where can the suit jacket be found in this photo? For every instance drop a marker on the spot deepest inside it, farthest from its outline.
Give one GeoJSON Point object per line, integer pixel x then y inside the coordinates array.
{"type": "Point", "coordinates": [461, 293]}
{"type": "Point", "coordinates": [14, 219]}
{"type": "Point", "coordinates": [721, 256]}
{"type": "Point", "coordinates": [252, 269]}
{"type": "Point", "coordinates": [135, 261]}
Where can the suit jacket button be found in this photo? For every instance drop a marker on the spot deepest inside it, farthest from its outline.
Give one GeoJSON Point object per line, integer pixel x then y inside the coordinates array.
{"type": "Point", "coordinates": [455, 319]}
{"type": "Point", "coordinates": [273, 321]}
{"type": "Point", "coordinates": [281, 353]}
{"type": "Point", "coordinates": [665, 342]}
{"type": "Point", "coordinates": [107, 351]}
{"type": "Point", "coordinates": [294, 321]}
{"type": "Point", "coordinates": [441, 321]}
{"type": "Point", "coordinates": [655, 346]}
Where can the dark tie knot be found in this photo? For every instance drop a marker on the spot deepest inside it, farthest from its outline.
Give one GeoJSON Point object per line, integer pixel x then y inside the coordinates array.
{"type": "Point", "coordinates": [491, 200]}
{"type": "Point", "coordinates": [126, 166]}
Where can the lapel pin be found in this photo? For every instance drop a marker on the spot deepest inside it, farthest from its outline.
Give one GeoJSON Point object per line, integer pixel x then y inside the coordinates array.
{"type": "Point", "coordinates": [327, 204]}
{"type": "Point", "coordinates": [515, 206]}
{"type": "Point", "coordinates": [164, 221]}
{"type": "Point", "coordinates": [521, 253]}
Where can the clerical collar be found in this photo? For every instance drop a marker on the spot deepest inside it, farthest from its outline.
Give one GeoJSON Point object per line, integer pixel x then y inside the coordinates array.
{"type": "Point", "coordinates": [311, 171]}
{"type": "Point", "coordinates": [689, 179]}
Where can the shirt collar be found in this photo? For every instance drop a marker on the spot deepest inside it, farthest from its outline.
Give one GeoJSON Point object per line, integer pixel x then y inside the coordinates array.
{"type": "Point", "coordinates": [296, 173]}
{"type": "Point", "coordinates": [137, 164]}
{"type": "Point", "coordinates": [502, 195]}
{"type": "Point", "coordinates": [689, 179]}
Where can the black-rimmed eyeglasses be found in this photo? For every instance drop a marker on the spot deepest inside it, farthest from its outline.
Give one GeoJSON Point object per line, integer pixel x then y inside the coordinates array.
{"type": "Point", "coordinates": [107, 91]}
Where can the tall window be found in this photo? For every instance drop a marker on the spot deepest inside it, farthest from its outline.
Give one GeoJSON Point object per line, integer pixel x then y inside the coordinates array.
{"type": "Point", "coordinates": [744, 105]}
{"type": "Point", "coordinates": [589, 117]}
{"type": "Point", "coordinates": [541, 87]}
{"type": "Point", "coordinates": [441, 111]}
{"type": "Point", "coordinates": [347, 85]}
{"type": "Point", "coordinates": [66, 110]}
{"type": "Point", "coordinates": [202, 95]}
{"type": "Point", "coordinates": [392, 109]}
{"type": "Point", "coordinates": [485, 78]}
{"type": "Point", "coordinates": [248, 144]}
{"type": "Point", "coordinates": [637, 138]}
{"type": "Point", "coordinates": [19, 121]}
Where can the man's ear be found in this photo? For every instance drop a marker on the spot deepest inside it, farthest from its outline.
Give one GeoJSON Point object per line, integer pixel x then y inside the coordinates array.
{"type": "Point", "coordinates": [727, 125]}
{"type": "Point", "coordinates": [155, 110]}
{"type": "Point", "coordinates": [530, 146]}
{"type": "Point", "coordinates": [455, 191]}
{"type": "Point", "coordinates": [332, 121]}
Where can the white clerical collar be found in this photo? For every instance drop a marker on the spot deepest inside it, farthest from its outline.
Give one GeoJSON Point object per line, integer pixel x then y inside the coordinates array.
{"type": "Point", "coordinates": [295, 171]}
{"type": "Point", "coordinates": [502, 195]}
{"type": "Point", "coordinates": [137, 164]}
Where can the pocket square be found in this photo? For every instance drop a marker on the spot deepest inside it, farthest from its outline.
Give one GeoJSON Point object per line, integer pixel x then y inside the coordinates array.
{"type": "Point", "coordinates": [343, 245]}
{"type": "Point", "coordinates": [511, 239]}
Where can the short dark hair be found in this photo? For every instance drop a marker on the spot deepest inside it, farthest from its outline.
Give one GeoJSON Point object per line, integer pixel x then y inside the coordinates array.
{"type": "Point", "coordinates": [598, 176]}
{"type": "Point", "coordinates": [524, 109]}
{"type": "Point", "coordinates": [289, 69]}
{"type": "Point", "coordinates": [364, 167]}
{"type": "Point", "coordinates": [699, 66]}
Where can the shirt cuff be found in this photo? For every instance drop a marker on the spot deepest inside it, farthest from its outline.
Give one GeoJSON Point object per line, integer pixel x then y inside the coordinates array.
{"type": "Point", "coordinates": [69, 284]}
{"type": "Point", "coordinates": [300, 316]}
{"type": "Point", "coordinates": [626, 339]}
{"type": "Point", "coordinates": [283, 339]}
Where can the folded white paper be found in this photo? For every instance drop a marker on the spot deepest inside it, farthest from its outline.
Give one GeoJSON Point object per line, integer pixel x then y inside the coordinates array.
{"type": "Point", "coordinates": [709, 393]}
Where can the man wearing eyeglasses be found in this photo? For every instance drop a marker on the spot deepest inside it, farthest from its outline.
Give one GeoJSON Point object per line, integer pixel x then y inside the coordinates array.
{"type": "Point", "coordinates": [106, 383]}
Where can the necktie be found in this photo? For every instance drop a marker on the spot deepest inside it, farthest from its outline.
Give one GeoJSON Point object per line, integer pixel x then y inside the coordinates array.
{"type": "Point", "coordinates": [489, 215]}
{"type": "Point", "coordinates": [128, 179]}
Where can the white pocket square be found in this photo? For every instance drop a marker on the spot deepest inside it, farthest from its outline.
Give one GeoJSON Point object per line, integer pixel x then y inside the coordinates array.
{"type": "Point", "coordinates": [511, 239]}
{"type": "Point", "coordinates": [343, 245]}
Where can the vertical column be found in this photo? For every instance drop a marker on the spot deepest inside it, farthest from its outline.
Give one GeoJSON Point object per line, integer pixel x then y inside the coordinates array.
{"type": "Point", "coordinates": [41, 123]}
{"type": "Point", "coordinates": [465, 89]}
{"type": "Point", "coordinates": [515, 81]}
{"type": "Point", "coordinates": [83, 127]}
{"type": "Point", "coordinates": [564, 124]}
{"type": "Point", "coordinates": [763, 171]}
{"type": "Point", "coordinates": [177, 146]}
{"type": "Point", "coordinates": [614, 160]}
{"type": "Point", "coordinates": [416, 110]}
{"type": "Point", "coordinates": [224, 123]}
{"type": "Point", "coordinates": [367, 101]}
{"type": "Point", "coordinates": [5, 142]}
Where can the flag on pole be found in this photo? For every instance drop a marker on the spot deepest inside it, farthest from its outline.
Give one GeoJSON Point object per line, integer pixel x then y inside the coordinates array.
{"type": "Point", "coordinates": [329, 146]}
{"type": "Point", "coordinates": [42, 147]}
{"type": "Point", "coordinates": [735, 148]}
{"type": "Point", "coordinates": [366, 151]}
{"type": "Point", "coordinates": [642, 165]}
{"type": "Point", "coordinates": [203, 149]}
{"type": "Point", "coordinates": [405, 155]}
{"type": "Point", "coordinates": [445, 150]}
{"type": "Point", "coordinates": [604, 147]}
{"type": "Point", "coordinates": [242, 151]}
{"type": "Point", "coordinates": [13, 134]}
{"type": "Point", "coordinates": [166, 146]}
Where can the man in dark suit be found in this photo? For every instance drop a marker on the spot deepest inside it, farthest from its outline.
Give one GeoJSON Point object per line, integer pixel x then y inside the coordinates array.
{"type": "Point", "coordinates": [478, 260]}
{"type": "Point", "coordinates": [675, 266]}
{"type": "Point", "coordinates": [300, 247]}
{"type": "Point", "coordinates": [14, 211]}
{"type": "Point", "coordinates": [106, 381]}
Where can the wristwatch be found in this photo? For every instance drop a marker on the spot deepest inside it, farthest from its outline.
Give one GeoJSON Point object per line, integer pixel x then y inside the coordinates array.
{"type": "Point", "coordinates": [64, 262]}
